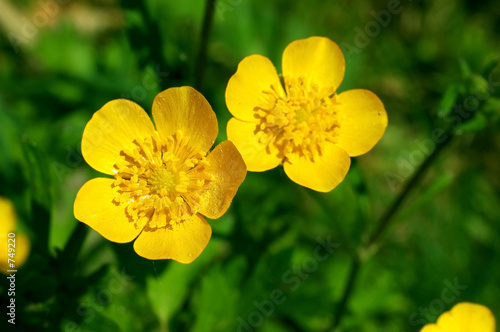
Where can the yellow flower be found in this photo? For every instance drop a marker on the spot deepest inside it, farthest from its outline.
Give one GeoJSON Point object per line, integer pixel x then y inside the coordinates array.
{"type": "Point", "coordinates": [163, 180]}
{"type": "Point", "coordinates": [19, 243]}
{"type": "Point", "coordinates": [305, 124]}
{"type": "Point", "coordinates": [464, 317]}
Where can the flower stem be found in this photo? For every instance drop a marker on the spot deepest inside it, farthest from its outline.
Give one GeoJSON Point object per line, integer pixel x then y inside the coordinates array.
{"type": "Point", "coordinates": [384, 223]}
{"type": "Point", "coordinates": [199, 74]}
{"type": "Point", "coordinates": [351, 280]}
{"type": "Point", "coordinates": [389, 214]}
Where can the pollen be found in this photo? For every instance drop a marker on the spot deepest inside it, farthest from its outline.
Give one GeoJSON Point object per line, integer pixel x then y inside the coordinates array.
{"type": "Point", "coordinates": [160, 187]}
{"type": "Point", "coordinates": [301, 121]}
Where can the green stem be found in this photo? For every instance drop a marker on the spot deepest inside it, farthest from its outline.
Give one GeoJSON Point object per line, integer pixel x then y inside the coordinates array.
{"type": "Point", "coordinates": [199, 74]}
{"type": "Point", "coordinates": [351, 280]}
{"type": "Point", "coordinates": [389, 214]}
{"type": "Point", "coordinates": [384, 223]}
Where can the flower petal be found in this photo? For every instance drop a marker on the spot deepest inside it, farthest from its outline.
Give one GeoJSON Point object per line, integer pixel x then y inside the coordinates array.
{"type": "Point", "coordinates": [183, 242]}
{"type": "Point", "coordinates": [244, 92]}
{"type": "Point", "coordinates": [323, 174]}
{"type": "Point", "coordinates": [258, 156]}
{"type": "Point", "coordinates": [94, 206]}
{"type": "Point", "coordinates": [466, 317]}
{"type": "Point", "coordinates": [116, 125]}
{"type": "Point", "coordinates": [229, 170]}
{"type": "Point", "coordinates": [316, 58]}
{"type": "Point", "coordinates": [433, 328]}
{"type": "Point", "coordinates": [186, 110]}
{"type": "Point", "coordinates": [8, 217]}
{"type": "Point", "coordinates": [8, 221]}
{"type": "Point", "coordinates": [363, 121]}
{"type": "Point", "coordinates": [4, 256]}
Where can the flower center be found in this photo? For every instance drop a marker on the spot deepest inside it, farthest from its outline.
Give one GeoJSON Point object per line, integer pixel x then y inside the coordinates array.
{"type": "Point", "coordinates": [163, 180]}
{"type": "Point", "coordinates": [166, 182]}
{"type": "Point", "coordinates": [302, 115]}
{"type": "Point", "coordinates": [300, 122]}
{"type": "Point", "coordinates": [160, 181]}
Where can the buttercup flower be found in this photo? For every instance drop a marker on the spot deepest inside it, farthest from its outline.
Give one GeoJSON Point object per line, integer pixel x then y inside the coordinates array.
{"type": "Point", "coordinates": [164, 182]}
{"type": "Point", "coordinates": [464, 317]}
{"type": "Point", "coordinates": [305, 124]}
{"type": "Point", "coordinates": [19, 243]}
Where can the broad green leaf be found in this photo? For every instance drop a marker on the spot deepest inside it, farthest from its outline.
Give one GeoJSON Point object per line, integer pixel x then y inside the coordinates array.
{"type": "Point", "coordinates": [217, 300]}
{"type": "Point", "coordinates": [169, 290]}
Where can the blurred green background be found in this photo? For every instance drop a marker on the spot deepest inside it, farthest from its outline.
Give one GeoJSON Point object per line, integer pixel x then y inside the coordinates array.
{"type": "Point", "coordinates": [60, 61]}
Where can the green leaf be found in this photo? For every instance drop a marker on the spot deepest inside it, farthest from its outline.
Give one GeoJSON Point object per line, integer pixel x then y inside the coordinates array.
{"type": "Point", "coordinates": [70, 253]}
{"type": "Point", "coordinates": [491, 108]}
{"type": "Point", "coordinates": [477, 123]}
{"type": "Point", "coordinates": [169, 290]}
{"type": "Point", "coordinates": [464, 68]}
{"type": "Point", "coordinates": [442, 182]}
{"type": "Point", "coordinates": [216, 304]}
{"type": "Point", "coordinates": [257, 292]}
{"type": "Point", "coordinates": [118, 300]}
{"type": "Point", "coordinates": [38, 173]}
{"type": "Point", "coordinates": [478, 86]}
{"type": "Point", "coordinates": [37, 169]}
{"type": "Point", "coordinates": [488, 69]}
{"type": "Point", "coordinates": [449, 98]}
{"type": "Point", "coordinates": [98, 322]}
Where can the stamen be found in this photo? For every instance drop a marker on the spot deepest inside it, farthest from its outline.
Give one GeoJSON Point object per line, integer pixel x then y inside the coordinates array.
{"type": "Point", "coordinates": [160, 180]}
{"type": "Point", "coordinates": [301, 121]}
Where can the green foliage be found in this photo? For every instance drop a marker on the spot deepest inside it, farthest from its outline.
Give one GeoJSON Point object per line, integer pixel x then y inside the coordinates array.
{"type": "Point", "coordinates": [428, 59]}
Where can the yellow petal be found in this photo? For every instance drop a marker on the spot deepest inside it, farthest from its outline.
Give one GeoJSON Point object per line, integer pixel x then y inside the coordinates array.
{"type": "Point", "coordinates": [186, 109]}
{"type": "Point", "coordinates": [447, 322]}
{"type": "Point", "coordinates": [467, 317]}
{"type": "Point", "coordinates": [94, 206]}
{"type": "Point", "coordinates": [323, 174]}
{"type": "Point", "coordinates": [432, 328]}
{"type": "Point", "coordinates": [316, 58]}
{"type": "Point", "coordinates": [257, 155]}
{"type": "Point", "coordinates": [7, 217]}
{"type": "Point", "coordinates": [18, 242]}
{"type": "Point", "coordinates": [4, 258]}
{"type": "Point", "coordinates": [21, 245]}
{"type": "Point", "coordinates": [475, 316]}
{"type": "Point", "coordinates": [244, 92]}
{"type": "Point", "coordinates": [363, 120]}
{"type": "Point", "coordinates": [229, 171]}
{"type": "Point", "coordinates": [183, 242]}
{"type": "Point", "coordinates": [114, 127]}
